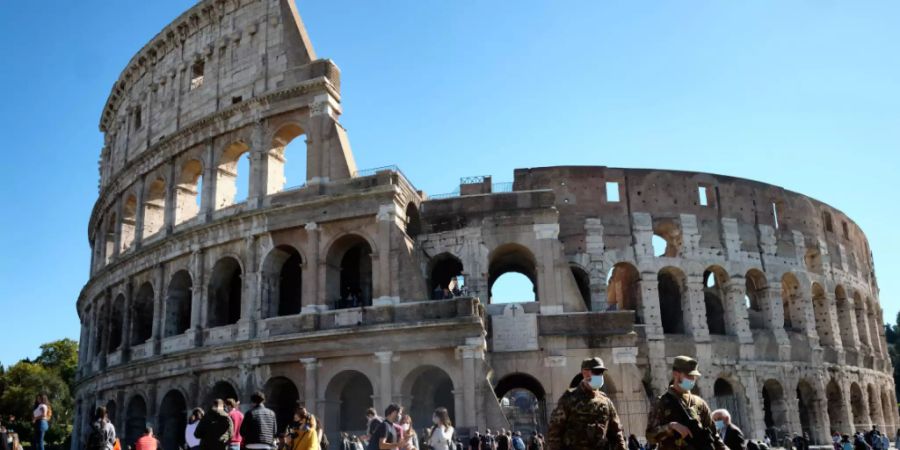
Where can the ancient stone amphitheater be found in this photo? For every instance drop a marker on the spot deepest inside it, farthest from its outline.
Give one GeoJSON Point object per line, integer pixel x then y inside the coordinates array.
{"type": "Point", "coordinates": [325, 292]}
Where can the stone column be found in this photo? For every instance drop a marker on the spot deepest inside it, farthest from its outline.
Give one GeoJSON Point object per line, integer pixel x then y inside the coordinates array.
{"type": "Point", "coordinates": [694, 308]}
{"type": "Point", "coordinates": [650, 309]}
{"type": "Point", "coordinates": [470, 354]}
{"type": "Point", "coordinates": [210, 180]}
{"type": "Point", "coordinates": [313, 300]}
{"type": "Point", "coordinates": [753, 400]}
{"type": "Point", "coordinates": [328, 155]}
{"type": "Point", "coordinates": [311, 386]}
{"type": "Point", "coordinates": [171, 199]}
{"type": "Point", "coordinates": [558, 381]}
{"type": "Point", "coordinates": [773, 307]}
{"type": "Point", "coordinates": [384, 392]}
{"type": "Point", "coordinates": [259, 167]}
{"type": "Point", "coordinates": [159, 308]}
{"type": "Point", "coordinates": [117, 228]}
{"type": "Point", "coordinates": [250, 298]}
{"type": "Point", "coordinates": [126, 322]}
{"type": "Point", "coordinates": [383, 287]}
{"type": "Point", "coordinates": [139, 213]}
{"type": "Point", "coordinates": [198, 299]}
{"type": "Point", "coordinates": [549, 285]}
{"type": "Point", "coordinates": [736, 317]}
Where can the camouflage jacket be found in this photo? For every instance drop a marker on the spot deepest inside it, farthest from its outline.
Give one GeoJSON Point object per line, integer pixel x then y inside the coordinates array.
{"type": "Point", "coordinates": [585, 419]}
{"type": "Point", "coordinates": [665, 410]}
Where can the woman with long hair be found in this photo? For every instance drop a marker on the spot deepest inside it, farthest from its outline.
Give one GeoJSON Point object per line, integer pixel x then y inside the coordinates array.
{"type": "Point", "coordinates": [191, 441]}
{"type": "Point", "coordinates": [409, 432]}
{"type": "Point", "coordinates": [301, 433]}
{"type": "Point", "coordinates": [441, 437]}
{"type": "Point", "coordinates": [42, 415]}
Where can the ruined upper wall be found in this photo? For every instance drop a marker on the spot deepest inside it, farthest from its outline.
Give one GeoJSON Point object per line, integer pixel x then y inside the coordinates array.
{"type": "Point", "coordinates": [581, 192]}
{"type": "Point", "coordinates": [214, 55]}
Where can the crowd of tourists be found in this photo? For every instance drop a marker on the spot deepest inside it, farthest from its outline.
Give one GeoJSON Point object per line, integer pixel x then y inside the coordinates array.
{"type": "Point", "coordinates": [40, 422]}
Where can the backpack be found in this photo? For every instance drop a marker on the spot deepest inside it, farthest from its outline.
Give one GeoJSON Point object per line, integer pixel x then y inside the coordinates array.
{"type": "Point", "coordinates": [97, 438]}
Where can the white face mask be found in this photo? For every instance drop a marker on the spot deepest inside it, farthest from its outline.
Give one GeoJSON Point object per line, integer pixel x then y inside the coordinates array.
{"type": "Point", "coordinates": [405, 427]}
{"type": "Point", "coordinates": [435, 420]}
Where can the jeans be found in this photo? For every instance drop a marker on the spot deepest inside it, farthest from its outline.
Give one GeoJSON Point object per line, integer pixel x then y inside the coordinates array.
{"type": "Point", "coordinates": [233, 446]}
{"type": "Point", "coordinates": [40, 428]}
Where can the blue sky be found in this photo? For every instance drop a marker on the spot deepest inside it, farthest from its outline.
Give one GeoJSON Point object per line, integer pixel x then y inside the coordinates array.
{"type": "Point", "coordinates": [802, 94]}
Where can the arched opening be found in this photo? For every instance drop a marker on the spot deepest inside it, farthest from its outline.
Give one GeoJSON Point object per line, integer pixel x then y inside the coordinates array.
{"type": "Point", "coordinates": [512, 275]}
{"type": "Point", "coordinates": [142, 315]}
{"type": "Point", "coordinates": [282, 282]}
{"type": "Point", "coordinates": [287, 147]}
{"type": "Point", "coordinates": [887, 404]}
{"type": "Point", "coordinates": [188, 191]}
{"type": "Point", "coordinates": [172, 420]}
{"type": "Point", "coordinates": [129, 220]}
{"type": "Point", "coordinates": [116, 322]}
{"type": "Point", "coordinates": [427, 388]}
{"type": "Point", "coordinates": [232, 175]}
{"type": "Point", "coordinates": [755, 284]}
{"type": "Point", "coordinates": [583, 282]}
{"type": "Point", "coordinates": [775, 410]}
{"type": "Point", "coordinates": [875, 326]}
{"type": "Point", "coordinates": [857, 407]}
{"type": "Point", "coordinates": [135, 419]}
{"type": "Point", "coordinates": [862, 326]}
{"type": "Point", "coordinates": [724, 396]}
{"type": "Point", "coordinates": [413, 221]}
{"type": "Point", "coordinates": [179, 297]}
{"type": "Point", "coordinates": [874, 409]}
{"type": "Point", "coordinates": [225, 286]}
{"type": "Point", "coordinates": [667, 239]}
{"type": "Point", "coordinates": [714, 279]}
{"type": "Point", "coordinates": [845, 317]}
{"type": "Point", "coordinates": [445, 277]}
{"type": "Point", "coordinates": [790, 299]}
{"type": "Point", "coordinates": [222, 390]}
{"type": "Point", "coordinates": [823, 315]}
{"type": "Point", "coordinates": [523, 402]}
{"type": "Point", "coordinates": [347, 397]}
{"type": "Point", "coordinates": [807, 402]}
{"type": "Point", "coordinates": [155, 207]}
{"type": "Point", "coordinates": [109, 248]}
{"type": "Point", "coordinates": [349, 272]}
{"type": "Point", "coordinates": [281, 397]}
{"type": "Point", "coordinates": [671, 283]}
{"type": "Point", "coordinates": [623, 290]}
{"type": "Point", "coordinates": [835, 399]}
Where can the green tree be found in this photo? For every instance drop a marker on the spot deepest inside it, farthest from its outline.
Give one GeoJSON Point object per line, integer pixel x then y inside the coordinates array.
{"type": "Point", "coordinates": [62, 357]}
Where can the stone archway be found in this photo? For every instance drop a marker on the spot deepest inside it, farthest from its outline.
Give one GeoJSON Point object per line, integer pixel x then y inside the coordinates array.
{"type": "Point", "coordinates": [347, 397]}
{"type": "Point", "coordinates": [172, 420]}
{"type": "Point", "coordinates": [135, 419]}
{"type": "Point", "coordinates": [425, 389]}
{"type": "Point", "coordinates": [523, 402]}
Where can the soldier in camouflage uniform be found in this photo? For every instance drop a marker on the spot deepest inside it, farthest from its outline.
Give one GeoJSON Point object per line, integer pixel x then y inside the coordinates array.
{"type": "Point", "coordinates": [666, 424]}
{"type": "Point", "coordinates": [585, 418]}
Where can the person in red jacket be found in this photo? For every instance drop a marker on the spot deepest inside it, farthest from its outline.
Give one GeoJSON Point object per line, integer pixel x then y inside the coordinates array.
{"type": "Point", "coordinates": [147, 441]}
{"type": "Point", "coordinates": [231, 406]}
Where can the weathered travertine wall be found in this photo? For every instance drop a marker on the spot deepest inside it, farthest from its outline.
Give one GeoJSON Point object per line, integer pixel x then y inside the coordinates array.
{"type": "Point", "coordinates": [323, 292]}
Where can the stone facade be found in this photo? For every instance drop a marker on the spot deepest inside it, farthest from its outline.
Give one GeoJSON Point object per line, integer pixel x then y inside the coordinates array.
{"type": "Point", "coordinates": [194, 295]}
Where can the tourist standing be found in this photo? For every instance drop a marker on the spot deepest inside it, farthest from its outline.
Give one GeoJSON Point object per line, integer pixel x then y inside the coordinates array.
{"type": "Point", "coordinates": [190, 440]}
{"type": "Point", "coordinates": [388, 436]}
{"type": "Point", "coordinates": [517, 442]}
{"type": "Point", "coordinates": [237, 418]}
{"type": "Point", "coordinates": [441, 436]}
{"type": "Point", "coordinates": [372, 424]}
{"type": "Point", "coordinates": [680, 420]}
{"type": "Point", "coordinates": [475, 441]}
{"type": "Point", "coordinates": [215, 428]}
{"type": "Point", "coordinates": [259, 427]}
{"type": "Point", "coordinates": [302, 433]}
{"type": "Point", "coordinates": [409, 432]}
{"type": "Point", "coordinates": [731, 435]}
{"type": "Point", "coordinates": [503, 441]}
{"type": "Point", "coordinates": [103, 433]}
{"type": "Point", "coordinates": [148, 441]}
{"type": "Point", "coordinates": [42, 415]}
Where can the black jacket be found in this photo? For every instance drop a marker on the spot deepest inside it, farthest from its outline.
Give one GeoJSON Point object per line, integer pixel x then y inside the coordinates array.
{"type": "Point", "coordinates": [214, 430]}
{"type": "Point", "coordinates": [734, 438]}
{"type": "Point", "coordinates": [259, 426]}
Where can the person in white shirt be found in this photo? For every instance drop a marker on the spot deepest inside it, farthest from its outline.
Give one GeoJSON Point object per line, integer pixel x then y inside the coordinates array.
{"type": "Point", "coordinates": [190, 440]}
{"type": "Point", "coordinates": [441, 437]}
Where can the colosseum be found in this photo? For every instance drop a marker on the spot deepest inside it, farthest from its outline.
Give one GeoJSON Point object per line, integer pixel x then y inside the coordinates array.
{"type": "Point", "coordinates": [356, 289]}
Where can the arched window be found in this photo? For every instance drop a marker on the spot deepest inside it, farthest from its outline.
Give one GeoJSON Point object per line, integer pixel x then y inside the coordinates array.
{"type": "Point", "coordinates": [281, 397]}
{"type": "Point", "coordinates": [755, 284]}
{"type": "Point", "coordinates": [188, 192]}
{"type": "Point", "coordinates": [836, 405]}
{"type": "Point", "coordinates": [445, 277]}
{"type": "Point", "coordinates": [129, 219]}
{"type": "Point", "coordinates": [172, 420]}
{"type": "Point", "coordinates": [155, 207]}
{"type": "Point", "coordinates": [583, 282]}
{"type": "Point", "coordinates": [282, 282]}
{"type": "Point", "coordinates": [666, 239]}
{"type": "Point", "coordinates": [349, 272]}
{"type": "Point", "coordinates": [135, 419]}
{"type": "Point", "coordinates": [512, 275]}
{"type": "Point", "coordinates": [413, 221]}
{"type": "Point", "coordinates": [806, 402]}
{"type": "Point", "coordinates": [790, 298]}
{"type": "Point", "coordinates": [845, 315]}
{"type": "Point", "coordinates": [428, 388]}
{"type": "Point", "coordinates": [109, 237]}
{"type": "Point", "coordinates": [222, 390]}
{"type": "Point", "coordinates": [857, 405]}
{"type": "Point", "coordinates": [224, 307]}
{"type": "Point", "coordinates": [233, 177]}
{"type": "Point", "coordinates": [287, 160]}
{"type": "Point", "coordinates": [142, 315]}
{"type": "Point", "coordinates": [775, 409]}
{"type": "Point", "coordinates": [671, 283]}
{"type": "Point", "coordinates": [100, 330]}
{"type": "Point", "coordinates": [523, 402]}
{"type": "Point", "coordinates": [116, 322]}
{"type": "Point", "coordinates": [347, 397]}
{"type": "Point", "coordinates": [725, 397]}
{"type": "Point", "coordinates": [178, 303]}
{"type": "Point", "coordinates": [713, 294]}
{"type": "Point", "coordinates": [862, 325]}
{"type": "Point", "coordinates": [623, 289]}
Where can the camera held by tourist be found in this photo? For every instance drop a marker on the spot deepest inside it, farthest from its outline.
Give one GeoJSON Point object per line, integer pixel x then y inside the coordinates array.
{"type": "Point", "coordinates": [679, 420]}
{"type": "Point", "coordinates": [302, 433]}
{"type": "Point", "coordinates": [585, 418]}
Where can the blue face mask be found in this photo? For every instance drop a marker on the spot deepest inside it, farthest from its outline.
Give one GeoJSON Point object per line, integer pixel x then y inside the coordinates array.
{"type": "Point", "coordinates": [596, 381]}
{"type": "Point", "coordinates": [720, 425]}
{"type": "Point", "coordinates": [687, 384]}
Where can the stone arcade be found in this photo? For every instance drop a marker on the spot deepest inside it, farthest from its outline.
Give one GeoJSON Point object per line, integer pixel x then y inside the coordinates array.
{"type": "Point", "coordinates": [195, 293]}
